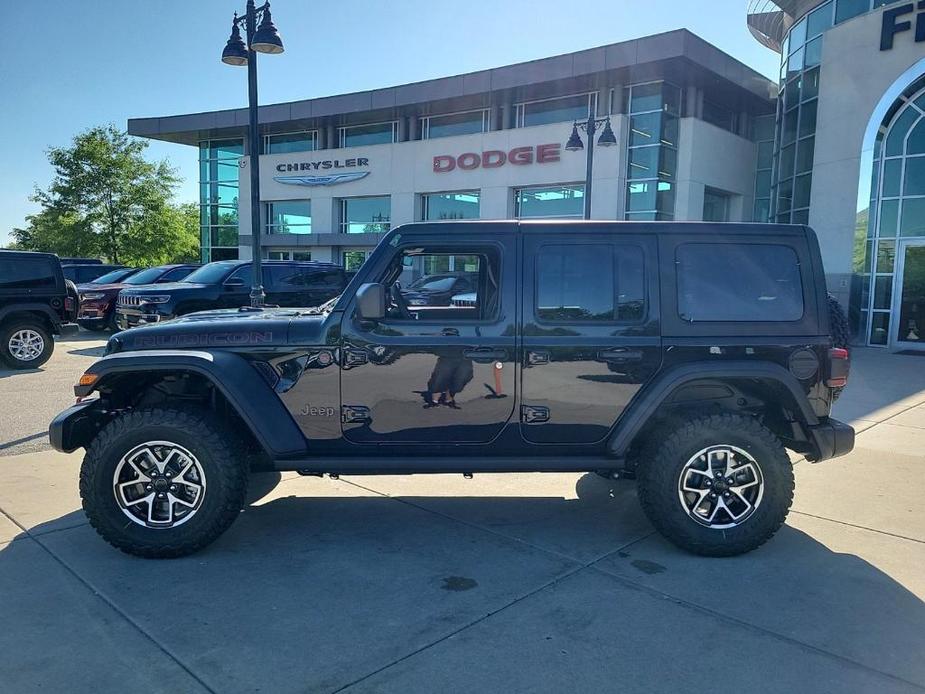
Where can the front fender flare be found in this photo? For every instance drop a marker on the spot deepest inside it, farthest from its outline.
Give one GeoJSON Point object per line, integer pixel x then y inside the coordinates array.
{"type": "Point", "coordinates": [648, 400]}
{"type": "Point", "coordinates": [245, 389]}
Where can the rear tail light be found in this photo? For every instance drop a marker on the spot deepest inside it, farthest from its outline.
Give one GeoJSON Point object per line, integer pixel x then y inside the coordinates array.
{"type": "Point", "coordinates": [69, 304]}
{"type": "Point", "coordinates": [839, 365]}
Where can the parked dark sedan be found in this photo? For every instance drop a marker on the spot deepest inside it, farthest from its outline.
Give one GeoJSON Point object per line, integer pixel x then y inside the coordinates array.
{"type": "Point", "coordinates": [437, 290]}
{"type": "Point", "coordinates": [98, 300]}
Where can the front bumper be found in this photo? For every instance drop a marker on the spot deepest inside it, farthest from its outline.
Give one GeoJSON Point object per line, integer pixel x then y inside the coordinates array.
{"type": "Point", "coordinates": [92, 322]}
{"type": "Point", "coordinates": [831, 439]}
{"type": "Point", "coordinates": [130, 317]}
{"type": "Point", "coordinates": [76, 426]}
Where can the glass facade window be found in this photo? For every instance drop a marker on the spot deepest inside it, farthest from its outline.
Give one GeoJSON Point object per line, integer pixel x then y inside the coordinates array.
{"type": "Point", "coordinates": [763, 134]}
{"type": "Point", "coordinates": [451, 124]}
{"type": "Point", "coordinates": [558, 202]}
{"type": "Point", "coordinates": [716, 205]}
{"type": "Point", "coordinates": [289, 217]}
{"type": "Point", "coordinates": [291, 142]}
{"type": "Point", "coordinates": [848, 9]}
{"type": "Point", "coordinates": [353, 258]}
{"type": "Point", "coordinates": [652, 150]}
{"type": "Point", "coordinates": [437, 207]}
{"type": "Point", "coordinates": [372, 134]}
{"type": "Point", "coordinates": [286, 254]}
{"type": "Point", "coordinates": [366, 215]}
{"type": "Point", "coordinates": [559, 110]}
{"type": "Point", "coordinates": [218, 198]}
{"type": "Point", "coordinates": [720, 116]}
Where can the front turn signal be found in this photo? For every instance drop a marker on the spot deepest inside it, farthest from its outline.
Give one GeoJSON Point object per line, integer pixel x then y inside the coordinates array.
{"type": "Point", "coordinates": [88, 379]}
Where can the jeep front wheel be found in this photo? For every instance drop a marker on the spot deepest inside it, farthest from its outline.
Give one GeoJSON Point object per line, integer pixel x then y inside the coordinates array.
{"type": "Point", "coordinates": [163, 482]}
{"type": "Point", "coordinates": [25, 345]}
{"type": "Point", "coordinates": [718, 485]}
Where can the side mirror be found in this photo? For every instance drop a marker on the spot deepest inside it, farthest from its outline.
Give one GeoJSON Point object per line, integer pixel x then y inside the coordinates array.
{"type": "Point", "coordinates": [371, 301]}
{"type": "Point", "coordinates": [234, 283]}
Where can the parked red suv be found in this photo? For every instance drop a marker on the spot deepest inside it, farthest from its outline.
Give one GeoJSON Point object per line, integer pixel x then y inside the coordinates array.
{"type": "Point", "coordinates": [98, 301]}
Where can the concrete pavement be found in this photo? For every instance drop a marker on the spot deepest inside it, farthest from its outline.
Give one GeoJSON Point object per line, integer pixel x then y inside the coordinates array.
{"type": "Point", "coordinates": [539, 583]}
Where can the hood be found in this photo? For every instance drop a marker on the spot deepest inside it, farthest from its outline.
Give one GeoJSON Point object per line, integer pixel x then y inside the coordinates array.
{"type": "Point", "coordinates": [163, 288]}
{"type": "Point", "coordinates": [223, 329]}
{"type": "Point", "coordinates": [84, 288]}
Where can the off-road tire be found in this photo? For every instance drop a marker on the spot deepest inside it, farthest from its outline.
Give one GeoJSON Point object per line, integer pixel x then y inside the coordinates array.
{"type": "Point", "coordinates": [658, 477]}
{"type": "Point", "coordinates": [10, 328]}
{"type": "Point", "coordinates": [841, 333]}
{"type": "Point", "coordinates": [218, 452]}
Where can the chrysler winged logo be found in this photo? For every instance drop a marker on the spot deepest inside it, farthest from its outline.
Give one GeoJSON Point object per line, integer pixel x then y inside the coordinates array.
{"type": "Point", "coordinates": [322, 180]}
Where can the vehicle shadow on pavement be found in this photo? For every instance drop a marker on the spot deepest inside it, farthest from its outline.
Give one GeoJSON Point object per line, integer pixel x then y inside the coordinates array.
{"type": "Point", "coordinates": [88, 351]}
{"type": "Point", "coordinates": [312, 592]}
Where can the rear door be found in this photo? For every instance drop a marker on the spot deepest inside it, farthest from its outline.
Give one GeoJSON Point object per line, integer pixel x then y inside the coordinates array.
{"type": "Point", "coordinates": [591, 331]}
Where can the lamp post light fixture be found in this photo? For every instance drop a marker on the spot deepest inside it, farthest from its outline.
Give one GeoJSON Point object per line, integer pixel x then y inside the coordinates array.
{"type": "Point", "coordinates": [260, 39]}
{"type": "Point", "coordinates": [574, 144]}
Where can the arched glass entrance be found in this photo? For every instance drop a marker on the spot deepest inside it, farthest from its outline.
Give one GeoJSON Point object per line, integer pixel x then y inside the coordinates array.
{"type": "Point", "coordinates": [895, 301]}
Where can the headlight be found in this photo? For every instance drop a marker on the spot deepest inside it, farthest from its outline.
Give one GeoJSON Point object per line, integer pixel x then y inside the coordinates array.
{"type": "Point", "coordinates": [160, 299]}
{"type": "Point", "coordinates": [93, 296]}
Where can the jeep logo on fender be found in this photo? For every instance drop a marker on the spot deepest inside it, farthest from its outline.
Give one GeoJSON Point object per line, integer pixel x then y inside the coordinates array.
{"type": "Point", "coordinates": [496, 158]}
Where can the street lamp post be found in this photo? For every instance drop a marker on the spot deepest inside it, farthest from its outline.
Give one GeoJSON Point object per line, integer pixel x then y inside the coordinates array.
{"type": "Point", "coordinates": [574, 144]}
{"type": "Point", "coordinates": [260, 39]}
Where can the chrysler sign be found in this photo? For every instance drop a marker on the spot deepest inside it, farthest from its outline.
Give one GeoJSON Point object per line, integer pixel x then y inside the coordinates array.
{"type": "Point", "coordinates": [304, 176]}
{"type": "Point", "coordinates": [496, 158]}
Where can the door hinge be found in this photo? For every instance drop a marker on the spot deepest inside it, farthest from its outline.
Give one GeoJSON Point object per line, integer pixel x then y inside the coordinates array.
{"type": "Point", "coordinates": [532, 414]}
{"type": "Point", "coordinates": [355, 357]}
{"type": "Point", "coordinates": [354, 414]}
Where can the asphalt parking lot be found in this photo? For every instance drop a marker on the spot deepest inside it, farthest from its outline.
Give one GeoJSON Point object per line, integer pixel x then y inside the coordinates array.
{"type": "Point", "coordinates": [507, 583]}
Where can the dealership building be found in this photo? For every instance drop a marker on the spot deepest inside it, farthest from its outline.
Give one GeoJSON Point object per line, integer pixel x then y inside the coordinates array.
{"type": "Point", "coordinates": [838, 142]}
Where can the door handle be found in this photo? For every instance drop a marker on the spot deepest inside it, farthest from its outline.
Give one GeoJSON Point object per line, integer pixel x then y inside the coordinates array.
{"type": "Point", "coordinates": [450, 332]}
{"type": "Point", "coordinates": [621, 355]}
{"type": "Point", "coordinates": [537, 358]}
{"type": "Point", "coordinates": [485, 355]}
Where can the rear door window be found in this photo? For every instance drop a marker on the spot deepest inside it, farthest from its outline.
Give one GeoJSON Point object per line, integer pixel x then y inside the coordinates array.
{"type": "Point", "coordinates": [590, 283]}
{"type": "Point", "coordinates": [745, 282]}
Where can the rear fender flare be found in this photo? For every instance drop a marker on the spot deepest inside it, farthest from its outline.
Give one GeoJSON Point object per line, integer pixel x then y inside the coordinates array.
{"type": "Point", "coordinates": [648, 400]}
{"type": "Point", "coordinates": [245, 389]}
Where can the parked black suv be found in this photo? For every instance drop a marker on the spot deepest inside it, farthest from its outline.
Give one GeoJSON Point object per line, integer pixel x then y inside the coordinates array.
{"type": "Point", "coordinates": [687, 355]}
{"type": "Point", "coordinates": [36, 302]}
{"type": "Point", "coordinates": [81, 273]}
{"type": "Point", "coordinates": [226, 284]}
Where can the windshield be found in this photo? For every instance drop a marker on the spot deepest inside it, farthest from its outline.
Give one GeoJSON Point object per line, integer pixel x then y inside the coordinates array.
{"type": "Point", "coordinates": [433, 284]}
{"type": "Point", "coordinates": [114, 276]}
{"type": "Point", "coordinates": [149, 276]}
{"type": "Point", "coordinates": [213, 273]}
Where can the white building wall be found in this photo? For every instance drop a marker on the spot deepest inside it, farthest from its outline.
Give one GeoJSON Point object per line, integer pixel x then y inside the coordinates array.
{"type": "Point", "coordinates": [710, 157]}
{"type": "Point", "coordinates": [855, 74]}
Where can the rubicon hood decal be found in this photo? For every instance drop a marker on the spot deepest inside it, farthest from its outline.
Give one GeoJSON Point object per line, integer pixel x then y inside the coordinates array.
{"type": "Point", "coordinates": [323, 180]}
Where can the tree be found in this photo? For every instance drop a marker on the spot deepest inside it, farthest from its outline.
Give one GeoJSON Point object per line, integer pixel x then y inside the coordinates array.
{"type": "Point", "coordinates": [107, 200]}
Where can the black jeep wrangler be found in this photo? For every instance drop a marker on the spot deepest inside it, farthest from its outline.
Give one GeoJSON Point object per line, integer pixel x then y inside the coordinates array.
{"type": "Point", "coordinates": [686, 355]}
{"type": "Point", "coordinates": [36, 302]}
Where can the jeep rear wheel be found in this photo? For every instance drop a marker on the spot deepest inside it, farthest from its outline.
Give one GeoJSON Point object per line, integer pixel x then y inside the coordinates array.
{"type": "Point", "coordinates": [25, 345]}
{"type": "Point", "coordinates": [163, 482]}
{"type": "Point", "coordinates": [717, 485]}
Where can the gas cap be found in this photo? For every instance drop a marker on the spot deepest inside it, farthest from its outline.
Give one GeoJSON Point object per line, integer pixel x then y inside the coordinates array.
{"type": "Point", "coordinates": [804, 364]}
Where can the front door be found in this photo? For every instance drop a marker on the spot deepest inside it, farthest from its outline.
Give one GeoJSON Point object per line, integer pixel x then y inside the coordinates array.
{"type": "Point", "coordinates": [439, 369]}
{"type": "Point", "coordinates": [909, 298]}
{"type": "Point", "coordinates": [591, 332]}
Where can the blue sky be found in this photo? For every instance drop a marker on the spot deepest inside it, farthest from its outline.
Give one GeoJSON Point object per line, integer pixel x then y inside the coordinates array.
{"type": "Point", "coordinates": [66, 65]}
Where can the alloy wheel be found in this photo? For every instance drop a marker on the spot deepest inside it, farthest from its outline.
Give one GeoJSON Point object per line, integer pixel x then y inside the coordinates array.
{"type": "Point", "coordinates": [721, 486]}
{"type": "Point", "coordinates": [26, 344]}
{"type": "Point", "coordinates": [159, 484]}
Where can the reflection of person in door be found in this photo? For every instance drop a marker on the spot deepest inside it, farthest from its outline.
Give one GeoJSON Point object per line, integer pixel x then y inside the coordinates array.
{"type": "Point", "coordinates": [449, 377]}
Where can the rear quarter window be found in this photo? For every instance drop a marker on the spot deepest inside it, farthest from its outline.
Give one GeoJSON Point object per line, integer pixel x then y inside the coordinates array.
{"type": "Point", "coordinates": [741, 282]}
{"type": "Point", "coordinates": [27, 273]}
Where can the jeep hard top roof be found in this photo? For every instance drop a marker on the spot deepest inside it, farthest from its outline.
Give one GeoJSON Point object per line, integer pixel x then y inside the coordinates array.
{"type": "Point", "coordinates": [629, 227]}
